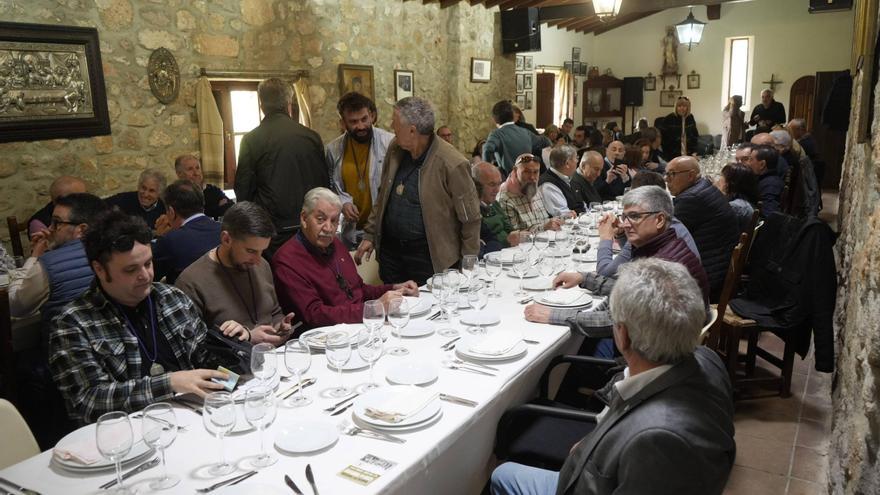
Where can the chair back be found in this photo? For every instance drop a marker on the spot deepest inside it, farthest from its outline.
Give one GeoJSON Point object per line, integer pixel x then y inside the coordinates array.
{"type": "Point", "coordinates": [8, 387]}
{"type": "Point", "coordinates": [369, 270]}
{"type": "Point", "coordinates": [707, 328]}
{"type": "Point", "coordinates": [731, 282]}
{"type": "Point", "coordinates": [15, 230]}
{"type": "Point", "coordinates": [19, 441]}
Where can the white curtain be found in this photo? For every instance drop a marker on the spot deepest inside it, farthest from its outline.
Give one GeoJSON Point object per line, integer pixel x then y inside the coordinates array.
{"type": "Point", "coordinates": [302, 99]}
{"type": "Point", "coordinates": [563, 97]}
{"type": "Point", "coordinates": [210, 132]}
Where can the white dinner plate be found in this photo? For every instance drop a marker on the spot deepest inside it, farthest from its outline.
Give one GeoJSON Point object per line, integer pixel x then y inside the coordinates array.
{"type": "Point", "coordinates": [463, 349]}
{"type": "Point", "coordinates": [355, 362]}
{"type": "Point", "coordinates": [417, 328]}
{"type": "Point", "coordinates": [248, 488]}
{"type": "Point", "coordinates": [589, 257]}
{"type": "Point", "coordinates": [538, 283]}
{"type": "Point", "coordinates": [483, 318]}
{"type": "Point", "coordinates": [139, 449]}
{"type": "Point", "coordinates": [412, 373]}
{"type": "Point", "coordinates": [532, 273]}
{"type": "Point", "coordinates": [316, 337]}
{"type": "Point", "coordinates": [305, 435]}
{"type": "Point", "coordinates": [585, 300]}
{"type": "Point", "coordinates": [419, 305]}
{"type": "Point", "coordinates": [376, 396]}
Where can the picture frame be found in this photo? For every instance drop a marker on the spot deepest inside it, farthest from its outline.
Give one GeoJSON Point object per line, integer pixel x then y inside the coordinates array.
{"type": "Point", "coordinates": [527, 83]}
{"type": "Point", "coordinates": [55, 87]}
{"type": "Point", "coordinates": [584, 69]}
{"type": "Point", "coordinates": [520, 83]}
{"type": "Point", "coordinates": [519, 63]}
{"type": "Point", "coordinates": [521, 101]}
{"type": "Point", "coordinates": [357, 78]}
{"type": "Point", "coordinates": [576, 68]}
{"type": "Point", "coordinates": [404, 84]}
{"type": "Point", "coordinates": [669, 96]}
{"type": "Point", "coordinates": [481, 70]}
{"type": "Point", "coordinates": [567, 66]}
{"type": "Point", "coordinates": [528, 62]}
{"type": "Point", "coordinates": [528, 100]}
{"type": "Point", "coordinates": [693, 80]}
{"type": "Point", "coordinates": [650, 83]}
{"type": "Point", "coordinates": [576, 54]}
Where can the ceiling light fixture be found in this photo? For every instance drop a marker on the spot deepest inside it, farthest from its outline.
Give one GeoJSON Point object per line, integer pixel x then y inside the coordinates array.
{"type": "Point", "coordinates": [606, 9]}
{"type": "Point", "coordinates": [690, 30]}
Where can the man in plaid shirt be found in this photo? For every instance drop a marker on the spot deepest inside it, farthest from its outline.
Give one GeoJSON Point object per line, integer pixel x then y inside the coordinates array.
{"type": "Point", "coordinates": [126, 342]}
{"type": "Point", "coordinates": [520, 199]}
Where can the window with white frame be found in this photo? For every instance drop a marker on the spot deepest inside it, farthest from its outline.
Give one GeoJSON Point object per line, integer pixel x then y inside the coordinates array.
{"type": "Point", "coordinates": [738, 56]}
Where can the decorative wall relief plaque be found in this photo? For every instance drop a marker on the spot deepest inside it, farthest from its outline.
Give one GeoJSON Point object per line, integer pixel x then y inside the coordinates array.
{"type": "Point", "coordinates": [164, 75]}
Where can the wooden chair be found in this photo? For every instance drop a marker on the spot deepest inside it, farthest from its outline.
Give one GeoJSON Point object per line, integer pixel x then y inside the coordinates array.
{"type": "Point", "coordinates": [18, 439]}
{"type": "Point", "coordinates": [15, 230]}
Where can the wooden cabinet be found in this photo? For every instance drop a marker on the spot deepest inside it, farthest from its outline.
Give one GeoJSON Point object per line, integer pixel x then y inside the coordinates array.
{"type": "Point", "coordinates": [603, 98]}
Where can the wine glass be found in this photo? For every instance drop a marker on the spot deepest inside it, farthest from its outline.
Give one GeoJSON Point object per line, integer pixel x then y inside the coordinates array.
{"type": "Point", "coordinates": [521, 266]}
{"type": "Point", "coordinates": [338, 353]}
{"type": "Point", "coordinates": [114, 438]}
{"type": "Point", "coordinates": [563, 243]}
{"type": "Point", "coordinates": [455, 280]}
{"type": "Point", "coordinates": [298, 360]}
{"type": "Point", "coordinates": [478, 298]}
{"type": "Point", "coordinates": [398, 316]}
{"type": "Point", "coordinates": [494, 267]}
{"type": "Point", "coordinates": [438, 293]}
{"type": "Point", "coordinates": [525, 241]}
{"type": "Point", "coordinates": [260, 411]}
{"type": "Point", "coordinates": [448, 303]}
{"type": "Point", "coordinates": [547, 268]}
{"type": "Point", "coordinates": [263, 362]}
{"type": "Point", "coordinates": [370, 350]}
{"type": "Point", "coordinates": [468, 266]}
{"type": "Point", "coordinates": [219, 418]}
{"type": "Point", "coordinates": [159, 427]}
{"type": "Point", "coordinates": [542, 241]}
{"type": "Point", "coordinates": [373, 314]}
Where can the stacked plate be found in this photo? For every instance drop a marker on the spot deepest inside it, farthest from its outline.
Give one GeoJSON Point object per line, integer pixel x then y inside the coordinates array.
{"type": "Point", "coordinates": [565, 298]}
{"type": "Point", "coordinates": [469, 345]}
{"type": "Point", "coordinates": [316, 338]}
{"type": "Point", "coordinates": [377, 397]}
{"type": "Point", "coordinates": [139, 450]}
{"type": "Point", "coordinates": [421, 305]}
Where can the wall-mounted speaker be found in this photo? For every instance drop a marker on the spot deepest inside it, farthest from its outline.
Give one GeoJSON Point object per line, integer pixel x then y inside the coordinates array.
{"type": "Point", "coordinates": [818, 6]}
{"type": "Point", "coordinates": [520, 30]}
{"type": "Point", "coordinates": [633, 91]}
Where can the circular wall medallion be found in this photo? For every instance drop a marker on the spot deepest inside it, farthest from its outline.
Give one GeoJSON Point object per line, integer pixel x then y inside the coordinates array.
{"type": "Point", "coordinates": [164, 75]}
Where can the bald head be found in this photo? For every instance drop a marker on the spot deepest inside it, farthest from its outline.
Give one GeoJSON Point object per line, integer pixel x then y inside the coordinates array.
{"type": "Point", "coordinates": [66, 184]}
{"type": "Point", "coordinates": [487, 178]}
{"type": "Point", "coordinates": [797, 128]}
{"type": "Point", "coordinates": [591, 165]}
{"type": "Point", "coordinates": [681, 173]}
{"type": "Point", "coordinates": [763, 138]}
{"type": "Point", "coordinates": [615, 151]}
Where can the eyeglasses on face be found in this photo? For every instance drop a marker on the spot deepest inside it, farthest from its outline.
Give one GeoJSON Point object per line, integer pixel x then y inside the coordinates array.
{"type": "Point", "coordinates": [635, 217]}
{"type": "Point", "coordinates": [57, 222]}
{"type": "Point", "coordinates": [672, 173]}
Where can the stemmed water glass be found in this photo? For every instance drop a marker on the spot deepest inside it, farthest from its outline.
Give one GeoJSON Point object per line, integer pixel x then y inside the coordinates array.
{"type": "Point", "coordinates": [370, 350]}
{"type": "Point", "coordinates": [521, 266]}
{"type": "Point", "coordinates": [525, 241]}
{"type": "Point", "coordinates": [448, 302]}
{"type": "Point", "coordinates": [338, 353]}
{"type": "Point", "coordinates": [219, 418]}
{"type": "Point", "coordinates": [547, 268]}
{"type": "Point", "coordinates": [542, 241]}
{"type": "Point", "coordinates": [159, 428]}
{"type": "Point", "coordinates": [114, 439]}
{"type": "Point", "coordinates": [260, 411]}
{"type": "Point", "coordinates": [494, 267]}
{"type": "Point", "coordinates": [263, 362]}
{"type": "Point", "coordinates": [478, 298]}
{"type": "Point", "coordinates": [398, 316]}
{"type": "Point", "coordinates": [455, 280]}
{"type": "Point", "coordinates": [298, 360]}
{"type": "Point", "coordinates": [469, 266]}
{"type": "Point", "coordinates": [563, 243]}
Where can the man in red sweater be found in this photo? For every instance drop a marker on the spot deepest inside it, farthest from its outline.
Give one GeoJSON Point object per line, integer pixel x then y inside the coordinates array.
{"type": "Point", "coordinates": [315, 275]}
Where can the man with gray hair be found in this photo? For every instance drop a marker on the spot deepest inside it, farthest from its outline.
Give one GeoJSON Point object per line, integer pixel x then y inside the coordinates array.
{"type": "Point", "coordinates": [426, 216]}
{"type": "Point", "coordinates": [769, 112]}
{"type": "Point", "coordinates": [554, 185]}
{"type": "Point", "coordinates": [588, 171]}
{"type": "Point", "coordinates": [646, 219]}
{"type": "Point", "coordinates": [667, 427]}
{"type": "Point", "coordinates": [190, 168]}
{"type": "Point", "coordinates": [279, 161]}
{"type": "Point", "coordinates": [805, 194]}
{"type": "Point", "coordinates": [315, 275]}
{"type": "Point", "coordinates": [144, 202]}
{"type": "Point", "coordinates": [519, 198]}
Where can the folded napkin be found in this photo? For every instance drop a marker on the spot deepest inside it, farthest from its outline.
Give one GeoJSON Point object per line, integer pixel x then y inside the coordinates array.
{"type": "Point", "coordinates": [84, 452]}
{"type": "Point", "coordinates": [497, 343]}
{"type": "Point", "coordinates": [563, 296]}
{"type": "Point", "coordinates": [403, 404]}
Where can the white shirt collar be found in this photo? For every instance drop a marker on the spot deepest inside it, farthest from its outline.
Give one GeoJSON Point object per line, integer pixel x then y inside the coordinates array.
{"type": "Point", "coordinates": [507, 123]}
{"type": "Point", "coordinates": [633, 384]}
{"type": "Point", "coordinates": [562, 176]}
{"type": "Point", "coordinates": [191, 218]}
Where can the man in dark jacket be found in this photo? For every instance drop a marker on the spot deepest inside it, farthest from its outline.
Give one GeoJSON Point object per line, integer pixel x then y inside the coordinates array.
{"type": "Point", "coordinates": [769, 112]}
{"type": "Point", "coordinates": [279, 161]}
{"type": "Point", "coordinates": [706, 213]}
{"type": "Point", "coordinates": [763, 162]}
{"type": "Point", "coordinates": [588, 171]}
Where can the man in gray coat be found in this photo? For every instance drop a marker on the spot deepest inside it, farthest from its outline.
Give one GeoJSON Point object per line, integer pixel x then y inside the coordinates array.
{"type": "Point", "coordinates": [668, 425]}
{"type": "Point", "coordinates": [508, 140]}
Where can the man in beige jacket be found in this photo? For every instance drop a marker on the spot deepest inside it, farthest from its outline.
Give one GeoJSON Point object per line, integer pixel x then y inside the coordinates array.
{"type": "Point", "coordinates": [427, 213]}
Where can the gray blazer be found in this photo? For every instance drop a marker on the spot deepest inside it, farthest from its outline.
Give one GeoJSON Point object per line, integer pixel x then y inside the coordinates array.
{"type": "Point", "coordinates": [673, 437]}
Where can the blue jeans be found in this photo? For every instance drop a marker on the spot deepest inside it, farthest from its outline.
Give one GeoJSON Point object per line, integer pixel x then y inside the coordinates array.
{"type": "Point", "coordinates": [511, 478]}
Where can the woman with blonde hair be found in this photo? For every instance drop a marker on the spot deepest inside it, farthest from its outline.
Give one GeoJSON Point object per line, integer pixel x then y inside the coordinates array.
{"type": "Point", "coordinates": [679, 131]}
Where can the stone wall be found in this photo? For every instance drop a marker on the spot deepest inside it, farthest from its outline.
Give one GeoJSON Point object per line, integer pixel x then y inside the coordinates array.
{"type": "Point", "coordinates": [854, 465]}
{"type": "Point", "coordinates": [437, 44]}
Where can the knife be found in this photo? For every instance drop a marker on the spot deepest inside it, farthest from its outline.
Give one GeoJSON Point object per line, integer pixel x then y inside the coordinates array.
{"type": "Point", "coordinates": [458, 400]}
{"type": "Point", "coordinates": [292, 485]}
{"type": "Point", "coordinates": [342, 409]}
{"type": "Point", "coordinates": [230, 481]}
{"type": "Point", "coordinates": [287, 393]}
{"type": "Point", "coordinates": [143, 467]}
{"type": "Point", "coordinates": [21, 489]}
{"type": "Point", "coordinates": [311, 478]}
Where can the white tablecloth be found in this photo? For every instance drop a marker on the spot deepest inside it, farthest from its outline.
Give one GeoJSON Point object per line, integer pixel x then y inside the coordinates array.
{"type": "Point", "coordinates": [451, 456]}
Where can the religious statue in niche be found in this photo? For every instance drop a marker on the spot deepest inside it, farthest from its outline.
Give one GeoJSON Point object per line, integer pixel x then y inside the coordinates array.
{"type": "Point", "coordinates": [670, 53]}
{"type": "Point", "coordinates": [164, 75]}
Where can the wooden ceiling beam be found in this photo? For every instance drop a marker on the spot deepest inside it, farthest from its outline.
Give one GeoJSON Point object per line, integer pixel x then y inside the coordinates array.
{"type": "Point", "coordinates": [622, 20]}
{"type": "Point", "coordinates": [447, 3]}
{"type": "Point", "coordinates": [491, 3]}
{"type": "Point", "coordinates": [512, 4]}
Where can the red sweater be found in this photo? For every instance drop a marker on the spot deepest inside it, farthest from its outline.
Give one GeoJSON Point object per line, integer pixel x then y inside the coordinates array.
{"type": "Point", "coordinates": [306, 283]}
{"type": "Point", "coordinates": [668, 246]}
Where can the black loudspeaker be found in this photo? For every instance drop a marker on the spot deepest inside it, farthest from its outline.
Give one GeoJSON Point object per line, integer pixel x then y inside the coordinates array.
{"type": "Point", "coordinates": [817, 6]}
{"type": "Point", "coordinates": [633, 91]}
{"type": "Point", "coordinates": [520, 30]}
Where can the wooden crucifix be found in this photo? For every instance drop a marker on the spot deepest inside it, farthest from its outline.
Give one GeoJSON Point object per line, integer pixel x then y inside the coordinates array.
{"type": "Point", "coordinates": [772, 82]}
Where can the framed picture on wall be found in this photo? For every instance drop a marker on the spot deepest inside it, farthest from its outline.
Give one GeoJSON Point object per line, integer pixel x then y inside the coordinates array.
{"type": "Point", "coordinates": [693, 80]}
{"type": "Point", "coordinates": [668, 97]}
{"type": "Point", "coordinates": [584, 69]}
{"type": "Point", "coordinates": [357, 78]}
{"type": "Point", "coordinates": [528, 101]}
{"type": "Point", "coordinates": [576, 54]}
{"type": "Point", "coordinates": [481, 70]}
{"type": "Point", "coordinates": [521, 101]}
{"type": "Point", "coordinates": [528, 63]}
{"type": "Point", "coordinates": [519, 62]}
{"type": "Point", "coordinates": [520, 83]}
{"type": "Point", "coordinates": [404, 84]}
{"type": "Point", "coordinates": [527, 84]}
{"type": "Point", "coordinates": [650, 83]}
{"type": "Point", "coordinates": [567, 66]}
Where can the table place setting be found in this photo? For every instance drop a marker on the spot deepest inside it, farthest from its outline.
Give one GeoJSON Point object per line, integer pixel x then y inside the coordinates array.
{"type": "Point", "coordinates": [397, 406]}
{"type": "Point", "coordinates": [565, 298]}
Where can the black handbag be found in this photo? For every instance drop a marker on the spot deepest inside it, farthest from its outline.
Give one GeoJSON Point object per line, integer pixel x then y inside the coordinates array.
{"type": "Point", "coordinates": [232, 353]}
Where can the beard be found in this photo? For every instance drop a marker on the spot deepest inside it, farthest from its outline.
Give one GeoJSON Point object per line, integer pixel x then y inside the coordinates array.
{"type": "Point", "coordinates": [362, 136]}
{"type": "Point", "coordinates": [529, 189]}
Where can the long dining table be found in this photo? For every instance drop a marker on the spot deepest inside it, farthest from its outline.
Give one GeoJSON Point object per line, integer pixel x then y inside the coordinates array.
{"type": "Point", "coordinates": [450, 455]}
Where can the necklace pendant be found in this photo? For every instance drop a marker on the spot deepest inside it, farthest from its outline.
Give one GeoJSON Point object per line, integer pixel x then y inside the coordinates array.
{"type": "Point", "coordinates": [156, 369]}
{"type": "Point", "coordinates": [399, 189]}
{"type": "Point", "coordinates": [362, 185]}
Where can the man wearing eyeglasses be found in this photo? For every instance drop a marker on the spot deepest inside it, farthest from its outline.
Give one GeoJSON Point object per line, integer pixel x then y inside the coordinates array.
{"type": "Point", "coordinates": [646, 218]}
{"type": "Point", "coordinates": [315, 275]}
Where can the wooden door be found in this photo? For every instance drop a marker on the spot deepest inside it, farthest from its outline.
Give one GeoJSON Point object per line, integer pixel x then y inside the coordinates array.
{"type": "Point", "coordinates": [800, 100]}
{"type": "Point", "coordinates": [830, 143]}
{"type": "Point", "coordinates": [545, 93]}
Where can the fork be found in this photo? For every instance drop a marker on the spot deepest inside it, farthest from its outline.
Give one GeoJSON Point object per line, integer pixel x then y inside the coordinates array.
{"type": "Point", "coordinates": [451, 365]}
{"type": "Point", "coordinates": [349, 429]}
{"type": "Point", "coordinates": [167, 424]}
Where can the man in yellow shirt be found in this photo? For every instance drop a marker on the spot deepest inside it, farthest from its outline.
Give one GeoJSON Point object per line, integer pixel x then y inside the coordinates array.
{"type": "Point", "coordinates": [356, 158]}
